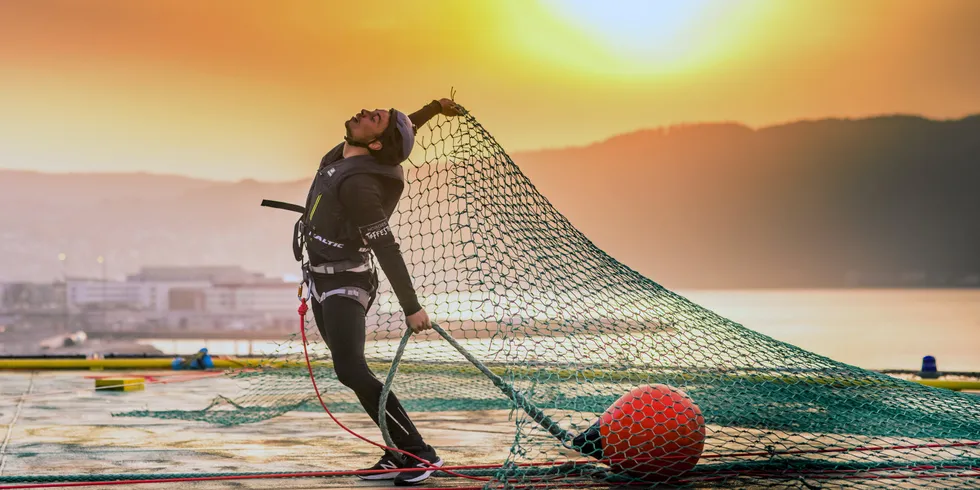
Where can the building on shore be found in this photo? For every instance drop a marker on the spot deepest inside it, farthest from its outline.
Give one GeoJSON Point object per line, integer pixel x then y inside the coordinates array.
{"type": "Point", "coordinates": [26, 296]}
{"type": "Point", "coordinates": [192, 298]}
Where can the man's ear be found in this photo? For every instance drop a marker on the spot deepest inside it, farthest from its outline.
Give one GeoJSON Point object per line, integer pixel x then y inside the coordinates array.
{"type": "Point", "coordinates": [375, 145]}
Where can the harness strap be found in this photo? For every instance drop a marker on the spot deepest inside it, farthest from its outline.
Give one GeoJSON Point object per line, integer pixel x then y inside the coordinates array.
{"type": "Point", "coordinates": [340, 266]}
{"type": "Point", "coordinates": [283, 205]}
{"type": "Point", "coordinates": [354, 293]}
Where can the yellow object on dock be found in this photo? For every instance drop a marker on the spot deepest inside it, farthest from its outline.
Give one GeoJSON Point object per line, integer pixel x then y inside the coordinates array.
{"type": "Point", "coordinates": [120, 384]}
{"type": "Point", "coordinates": [44, 364]}
{"type": "Point", "coordinates": [123, 363]}
{"type": "Point", "coordinates": [951, 384]}
{"type": "Point", "coordinates": [41, 364]}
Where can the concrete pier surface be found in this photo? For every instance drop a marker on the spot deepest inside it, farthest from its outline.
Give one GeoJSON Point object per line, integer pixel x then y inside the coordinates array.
{"type": "Point", "coordinates": [56, 423]}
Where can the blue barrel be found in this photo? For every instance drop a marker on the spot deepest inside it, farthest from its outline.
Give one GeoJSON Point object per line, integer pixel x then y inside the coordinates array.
{"type": "Point", "coordinates": [201, 360]}
{"type": "Point", "coordinates": [929, 370]}
{"type": "Point", "coordinates": [206, 362]}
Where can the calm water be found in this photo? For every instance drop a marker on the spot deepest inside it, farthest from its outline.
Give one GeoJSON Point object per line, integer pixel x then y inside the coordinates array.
{"type": "Point", "coordinates": [875, 329]}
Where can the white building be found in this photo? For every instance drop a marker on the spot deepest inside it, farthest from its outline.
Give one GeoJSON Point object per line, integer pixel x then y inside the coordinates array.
{"type": "Point", "coordinates": [210, 275]}
{"type": "Point", "coordinates": [265, 297]}
{"type": "Point", "coordinates": [201, 289]}
{"type": "Point", "coordinates": [83, 292]}
{"type": "Point", "coordinates": [155, 295]}
{"type": "Point", "coordinates": [156, 283]}
{"type": "Point", "coordinates": [143, 295]}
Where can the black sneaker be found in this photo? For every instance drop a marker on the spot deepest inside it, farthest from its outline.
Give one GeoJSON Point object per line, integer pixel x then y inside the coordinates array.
{"type": "Point", "coordinates": [387, 462]}
{"type": "Point", "coordinates": [408, 478]}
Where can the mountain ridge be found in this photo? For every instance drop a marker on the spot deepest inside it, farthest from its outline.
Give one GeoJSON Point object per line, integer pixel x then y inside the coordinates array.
{"type": "Point", "coordinates": [880, 201]}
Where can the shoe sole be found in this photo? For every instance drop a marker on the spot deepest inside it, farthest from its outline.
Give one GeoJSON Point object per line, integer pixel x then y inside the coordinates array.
{"type": "Point", "coordinates": [420, 476]}
{"type": "Point", "coordinates": [379, 476]}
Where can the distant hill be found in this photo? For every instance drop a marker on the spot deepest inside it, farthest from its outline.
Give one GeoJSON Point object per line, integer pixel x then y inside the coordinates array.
{"type": "Point", "coordinates": [886, 201]}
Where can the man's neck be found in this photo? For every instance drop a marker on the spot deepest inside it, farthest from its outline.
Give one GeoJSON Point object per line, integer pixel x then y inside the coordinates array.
{"type": "Point", "coordinates": [350, 151]}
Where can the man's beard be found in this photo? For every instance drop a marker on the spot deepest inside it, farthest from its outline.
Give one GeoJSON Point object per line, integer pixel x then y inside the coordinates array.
{"type": "Point", "coordinates": [350, 137]}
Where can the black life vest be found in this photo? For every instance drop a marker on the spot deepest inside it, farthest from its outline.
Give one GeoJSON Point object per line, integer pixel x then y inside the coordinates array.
{"type": "Point", "coordinates": [324, 228]}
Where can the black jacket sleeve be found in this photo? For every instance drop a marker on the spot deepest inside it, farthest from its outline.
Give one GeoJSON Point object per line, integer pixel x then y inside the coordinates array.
{"type": "Point", "coordinates": [361, 197]}
{"type": "Point", "coordinates": [422, 116]}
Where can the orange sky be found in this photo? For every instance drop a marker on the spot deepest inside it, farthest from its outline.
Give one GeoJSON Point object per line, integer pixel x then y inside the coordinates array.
{"type": "Point", "coordinates": [230, 89]}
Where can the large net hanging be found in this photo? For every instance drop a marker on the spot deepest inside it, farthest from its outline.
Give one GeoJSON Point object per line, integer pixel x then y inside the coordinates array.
{"type": "Point", "coordinates": [654, 379]}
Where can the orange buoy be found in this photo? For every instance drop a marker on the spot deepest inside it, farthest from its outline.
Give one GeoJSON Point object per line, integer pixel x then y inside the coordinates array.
{"type": "Point", "coordinates": [653, 432]}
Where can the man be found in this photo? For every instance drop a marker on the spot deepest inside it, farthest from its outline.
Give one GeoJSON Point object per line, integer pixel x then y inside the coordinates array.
{"type": "Point", "coordinates": [356, 189]}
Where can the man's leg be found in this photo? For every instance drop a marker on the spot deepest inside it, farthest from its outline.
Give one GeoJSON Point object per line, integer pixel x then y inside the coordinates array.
{"type": "Point", "coordinates": [341, 324]}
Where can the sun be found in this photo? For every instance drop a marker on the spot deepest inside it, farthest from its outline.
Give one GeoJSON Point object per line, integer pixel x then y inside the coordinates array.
{"type": "Point", "coordinates": [646, 31]}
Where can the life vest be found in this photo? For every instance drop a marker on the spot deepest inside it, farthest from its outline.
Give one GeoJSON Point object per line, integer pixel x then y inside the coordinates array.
{"type": "Point", "coordinates": [324, 228]}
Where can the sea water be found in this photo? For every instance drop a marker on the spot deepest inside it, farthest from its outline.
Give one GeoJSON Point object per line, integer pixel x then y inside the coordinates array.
{"type": "Point", "coordinates": [873, 329]}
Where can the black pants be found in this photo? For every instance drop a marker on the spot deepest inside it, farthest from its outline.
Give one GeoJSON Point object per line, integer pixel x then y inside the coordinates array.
{"type": "Point", "coordinates": [341, 323]}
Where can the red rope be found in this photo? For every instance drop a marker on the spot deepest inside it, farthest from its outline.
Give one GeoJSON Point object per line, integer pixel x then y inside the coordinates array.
{"type": "Point", "coordinates": [309, 474]}
{"type": "Point", "coordinates": [246, 477]}
{"type": "Point", "coordinates": [163, 377]}
{"type": "Point", "coordinates": [302, 329]}
{"type": "Point", "coordinates": [830, 476]}
{"type": "Point", "coordinates": [303, 474]}
{"type": "Point", "coordinates": [303, 308]}
{"type": "Point", "coordinates": [844, 450]}
{"type": "Point", "coordinates": [147, 380]}
{"type": "Point", "coordinates": [917, 472]}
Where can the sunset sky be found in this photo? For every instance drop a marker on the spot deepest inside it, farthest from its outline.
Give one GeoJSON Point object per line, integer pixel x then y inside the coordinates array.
{"type": "Point", "coordinates": [232, 89]}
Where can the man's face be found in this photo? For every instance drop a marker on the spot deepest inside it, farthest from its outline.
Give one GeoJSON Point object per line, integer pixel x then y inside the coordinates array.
{"type": "Point", "coordinates": [367, 126]}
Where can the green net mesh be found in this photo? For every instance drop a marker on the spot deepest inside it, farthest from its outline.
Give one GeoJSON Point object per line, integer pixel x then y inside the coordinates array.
{"type": "Point", "coordinates": [573, 330]}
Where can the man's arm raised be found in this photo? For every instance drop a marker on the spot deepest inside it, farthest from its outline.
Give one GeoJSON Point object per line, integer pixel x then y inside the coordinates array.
{"type": "Point", "coordinates": [445, 107]}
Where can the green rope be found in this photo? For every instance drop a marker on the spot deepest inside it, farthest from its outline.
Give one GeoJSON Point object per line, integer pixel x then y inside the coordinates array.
{"type": "Point", "coordinates": [386, 389]}
{"type": "Point", "coordinates": [572, 330]}
{"type": "Point", "coordinates": [534, 412]}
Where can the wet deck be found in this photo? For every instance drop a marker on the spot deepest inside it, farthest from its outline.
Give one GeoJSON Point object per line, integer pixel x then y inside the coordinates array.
{"type": "Point", "coordinates": [55, 423]}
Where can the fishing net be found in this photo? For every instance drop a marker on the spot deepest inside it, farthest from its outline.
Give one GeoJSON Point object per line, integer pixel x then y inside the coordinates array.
{"type": "Point", "coordinates": [572, 331]}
